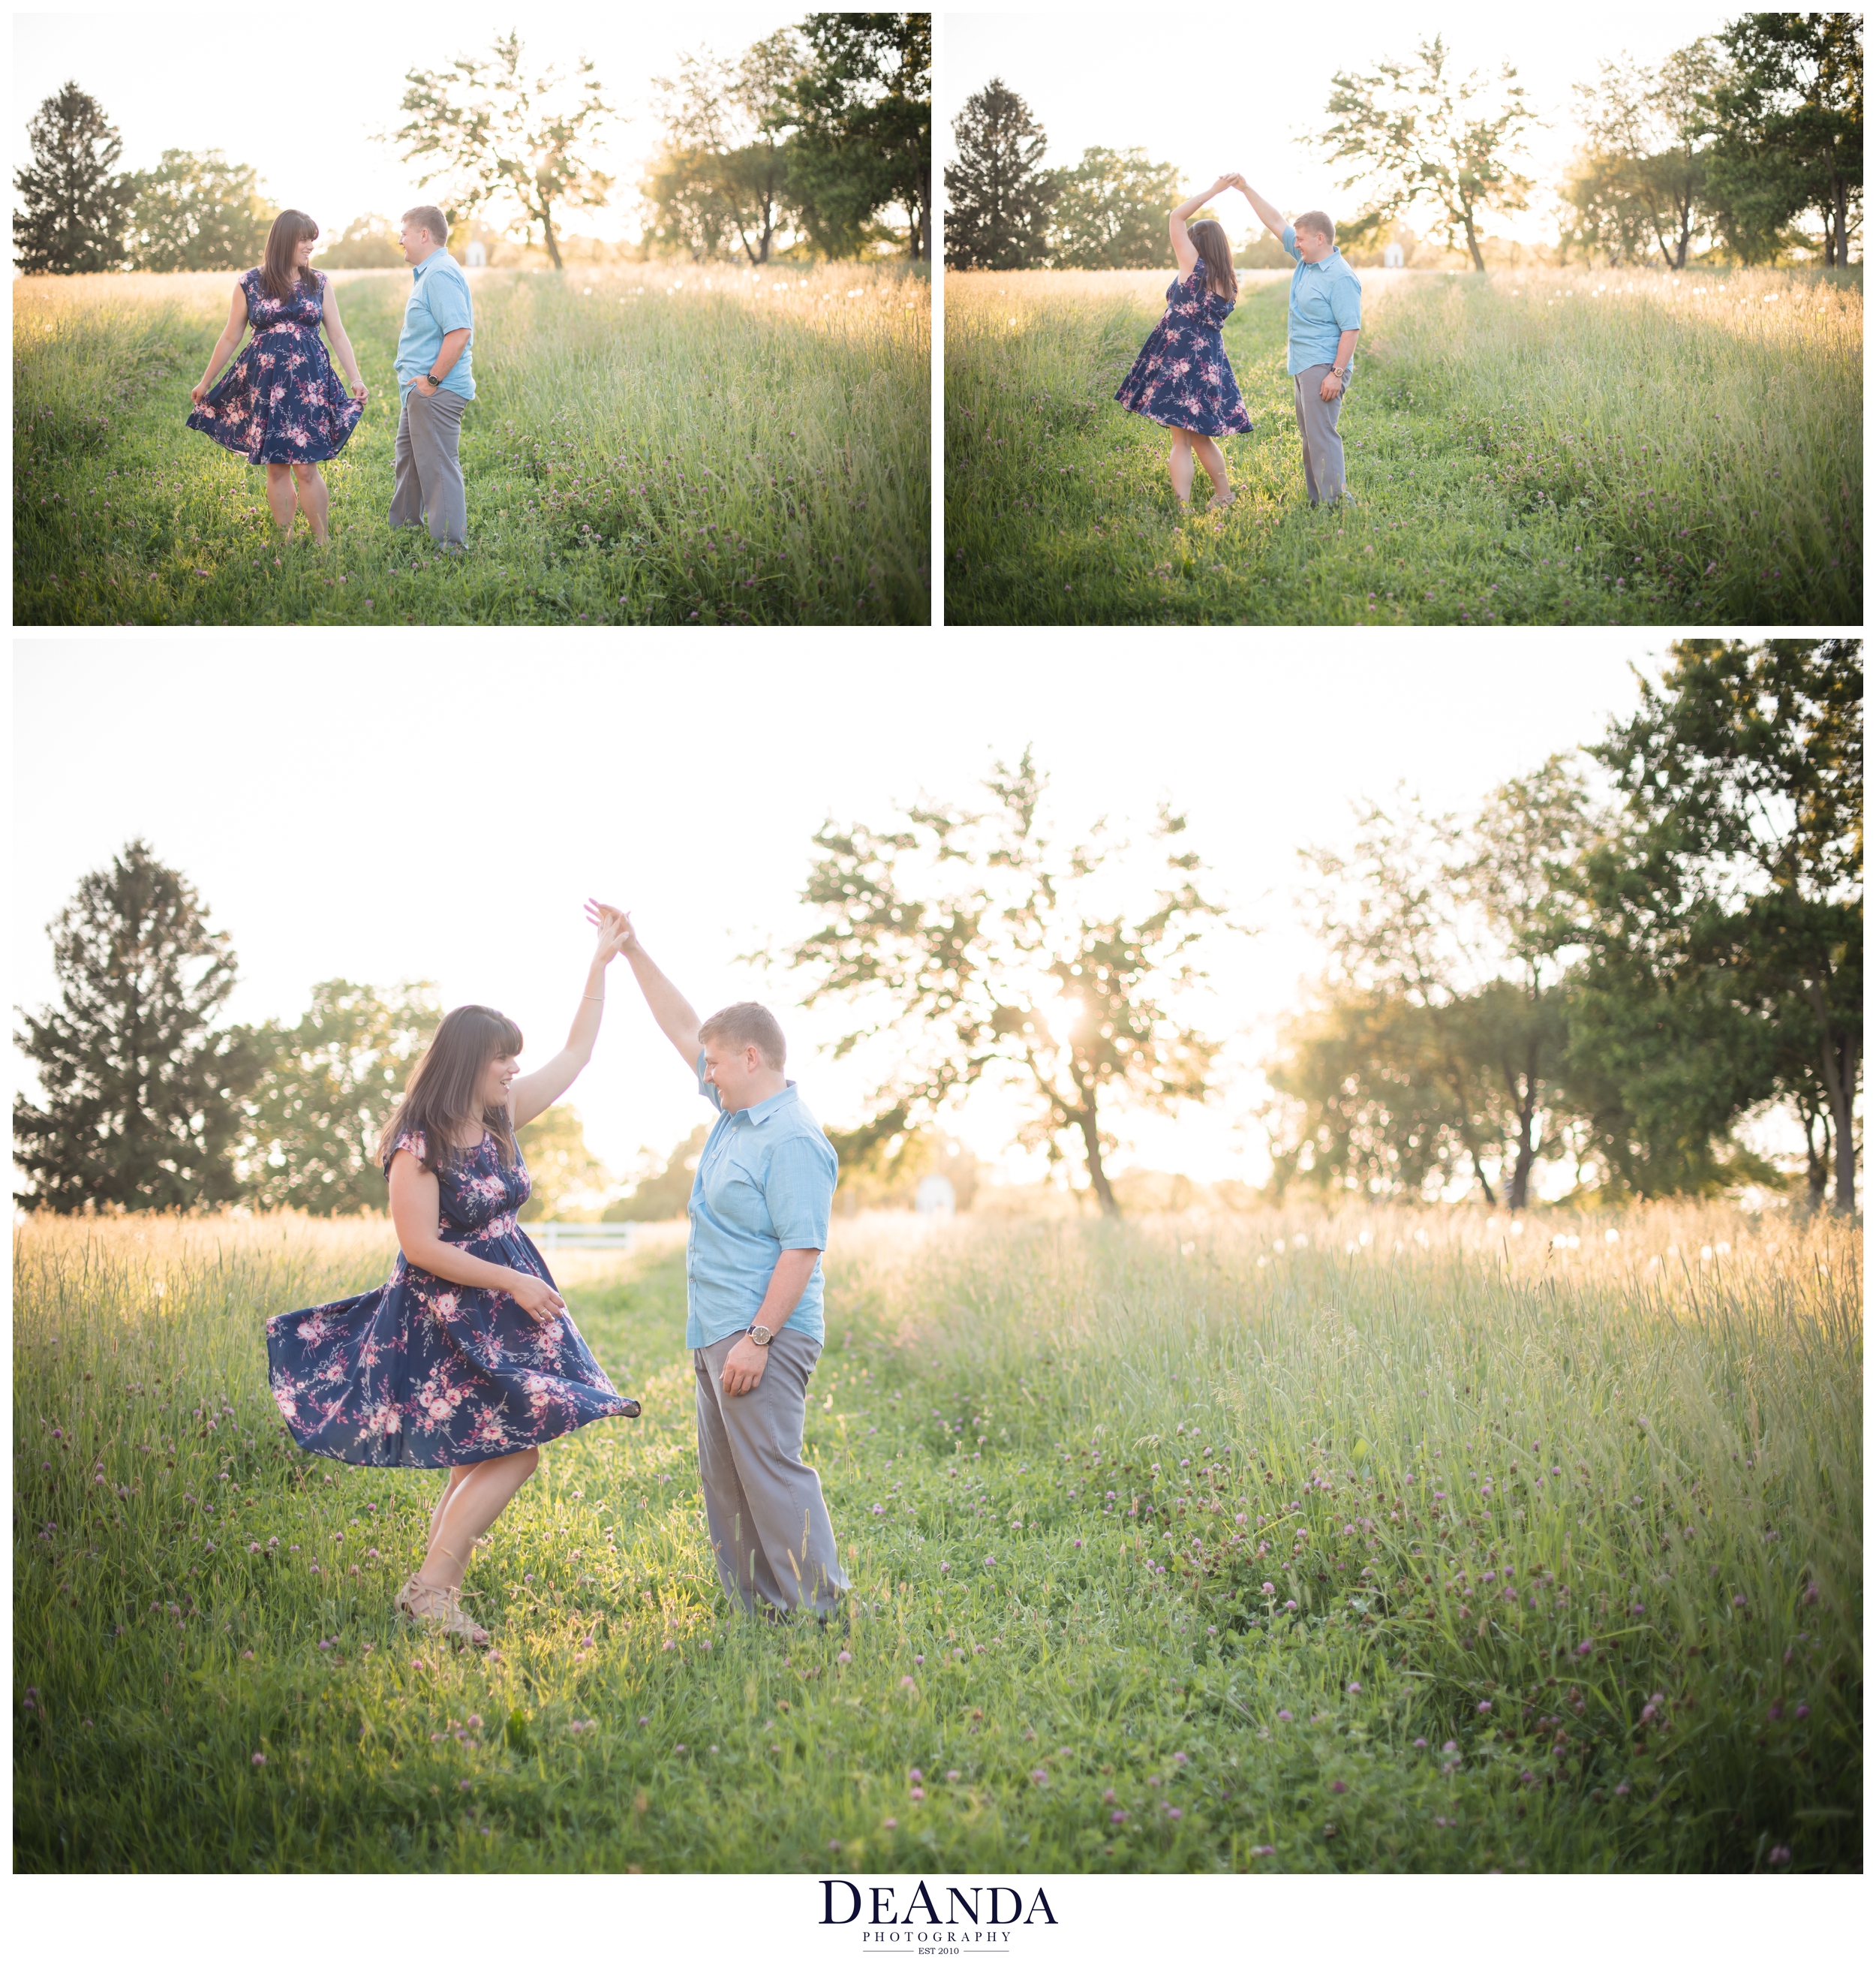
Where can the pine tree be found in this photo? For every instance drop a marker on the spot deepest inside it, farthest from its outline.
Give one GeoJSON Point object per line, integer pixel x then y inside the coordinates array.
{"type": "Point", "coordinates": [143, 1096]}
{"type": "Point", "coordinates": [996, 200]}
{"type": "Point", "coordinates": [75, 204]}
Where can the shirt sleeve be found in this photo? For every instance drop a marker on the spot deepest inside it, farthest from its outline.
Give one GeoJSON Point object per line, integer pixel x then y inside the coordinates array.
{"type": "Point", "coordinates": [704, 1088]}
{"type": "Point", "coordinates": [1288, 242]}
{"type": "Point", "coordinates": [798, 1185]}
{"type": "Point", "coordinates": [1344, 302]}
{"type": "Point", "coordinates": [449, 304]}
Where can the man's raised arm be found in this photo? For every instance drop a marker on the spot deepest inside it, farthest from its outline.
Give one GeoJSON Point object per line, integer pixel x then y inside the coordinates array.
{"type": "Point", "coordinates": [1273, 218]}
{"type": "Point", "coordinates": [670, 1011]}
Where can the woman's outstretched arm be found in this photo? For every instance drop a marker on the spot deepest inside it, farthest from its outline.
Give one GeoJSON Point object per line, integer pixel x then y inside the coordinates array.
{"type": "Point", "coordinates": [341, 343]}
{"type": "Point", "coordinates": [1183, 249]}
{"type": "Point", "coordinates": [531, 1094]}
{"type": "Point", "coordinates": [237, 321]}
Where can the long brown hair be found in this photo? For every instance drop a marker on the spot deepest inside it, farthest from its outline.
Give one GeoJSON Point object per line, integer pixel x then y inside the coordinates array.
{"type": "Point", "coordinates": [279, 274]}
{"type": "Point", "coordinates": [1208, 236]}
{"type": "Point", "coordinates": [440, 1100]}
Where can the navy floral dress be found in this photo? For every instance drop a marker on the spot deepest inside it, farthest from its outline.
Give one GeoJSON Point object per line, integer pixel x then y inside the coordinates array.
{"type": "Point", "coordinates": [428, 1372]}
{"type": "Point", "coordinates": [1181, 377]}
{"type": "Point", "coordinates": [280, 402]}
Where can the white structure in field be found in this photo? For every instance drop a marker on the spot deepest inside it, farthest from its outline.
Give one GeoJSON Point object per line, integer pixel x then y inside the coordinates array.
{"type": "Point", "coordinates": [935, 1195]}
{"type": "Point", "coordinates": [475, 253]}
{"type": "Point", "coordinates": [1392, 256]}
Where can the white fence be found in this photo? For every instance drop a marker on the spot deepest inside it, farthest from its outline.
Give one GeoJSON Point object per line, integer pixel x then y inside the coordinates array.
{"type": "Point", "coordinates": [549, 1234]}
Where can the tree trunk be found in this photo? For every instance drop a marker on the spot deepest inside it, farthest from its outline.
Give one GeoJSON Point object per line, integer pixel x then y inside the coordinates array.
{"type": "Point", "coordinates": [1840, 1087]}
{"type": "Point", "coordinates": [553, 244]}
{"type": "Point", "coordinates": [1471, 245]}
{"type": "Point", "coordinates": [1816, 1161]}
{"type": "Point", "coordinates": [1090, 1128]}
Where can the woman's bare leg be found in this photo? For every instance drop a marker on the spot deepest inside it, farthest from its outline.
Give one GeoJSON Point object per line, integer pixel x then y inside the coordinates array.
{"type": "Point", "coordinates": [473, 1505]}
{"type": "Point", "coordinates": [1209, 454]}
{"type": "Point", "coordinates": [457, 1474]}
{"type": "Point", "coordinates": [280, 499]}
{"type": "Point", "coordinates": [1179, 463]}
{"type": "Point", "coordinates": [314, 502]}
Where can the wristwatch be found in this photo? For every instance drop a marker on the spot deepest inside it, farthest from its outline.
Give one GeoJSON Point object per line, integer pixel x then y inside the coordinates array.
{"type": "Point", "coordinates": [759, 1336]}
{"type": "Point", "coordinates": [435, 380]}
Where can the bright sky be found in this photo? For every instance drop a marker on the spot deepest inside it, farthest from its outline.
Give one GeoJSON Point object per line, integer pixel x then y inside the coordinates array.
{"type": "Point", "coordinates": [1240, 89]}
{"type": "Point", "coordinates": [300, 95]}
{"type": "Point", "coordinates": [441, 811]}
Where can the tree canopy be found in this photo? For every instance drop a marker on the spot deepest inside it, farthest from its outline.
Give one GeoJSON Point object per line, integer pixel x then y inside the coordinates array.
{"type": "Point", "coordinates": [989, 953]}
{"type": "Point", "coordinates": [491, 126]}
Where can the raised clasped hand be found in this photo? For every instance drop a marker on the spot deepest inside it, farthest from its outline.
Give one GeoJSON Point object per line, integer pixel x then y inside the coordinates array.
{"type": "Point", "coordinates": [616, 934]}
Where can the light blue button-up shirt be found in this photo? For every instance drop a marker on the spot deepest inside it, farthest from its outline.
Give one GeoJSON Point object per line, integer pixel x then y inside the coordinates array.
{"type": "Point", "coordinates": [1324, 300]}
{"type": "Point", "coordinates": [439, 304]}
{"type": "Point", "coordinates": [765, 1182]}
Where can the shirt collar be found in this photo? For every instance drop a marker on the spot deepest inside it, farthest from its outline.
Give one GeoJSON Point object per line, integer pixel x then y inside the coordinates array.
{"type": "Point", "coordinates": [760, 1113]}
{"type": "Point", "coordinates": [424, 265]}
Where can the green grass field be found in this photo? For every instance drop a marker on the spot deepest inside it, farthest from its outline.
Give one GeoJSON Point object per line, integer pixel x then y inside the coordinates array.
{"type": "Point", "coordinates": [1540, 447]}
{"type": "Point", "coordinates": [645, 445]}
{"type": "Point", "coordinates": [1421, 1546]}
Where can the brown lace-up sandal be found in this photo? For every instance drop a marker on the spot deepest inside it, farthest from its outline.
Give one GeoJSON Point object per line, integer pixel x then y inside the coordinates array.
{"type": "Point", "coordinates": [438, 1605]}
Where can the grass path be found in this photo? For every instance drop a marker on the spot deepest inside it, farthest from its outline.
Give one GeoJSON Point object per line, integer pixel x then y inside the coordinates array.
{"type": "Point", "coordinates": [1548, 455]}
{"type": "Point", "coordinates": [638, 451]}
{"type": "Point", "coordinates": [1246, 1551]}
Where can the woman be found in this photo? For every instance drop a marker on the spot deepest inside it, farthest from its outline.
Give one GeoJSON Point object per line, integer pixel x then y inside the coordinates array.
{"type": "Point", "coordinates": [1182, 378]}
{"type": "Point", "coordinates": [466, 1356]}
{"type": "Point", "coordinates": [280, 404]}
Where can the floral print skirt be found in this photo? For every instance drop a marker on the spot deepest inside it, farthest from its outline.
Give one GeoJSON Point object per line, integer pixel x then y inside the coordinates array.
{"type": "Point", "coordinates": [426, 1372]}
{"type": "Point", "coordinates": [280, 402]}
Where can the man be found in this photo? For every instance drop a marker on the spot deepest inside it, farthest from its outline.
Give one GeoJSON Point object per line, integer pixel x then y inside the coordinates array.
{"type": "Point", "coordinates": [435, 380]}
{"type": "Point", "coordinates": [1325, 318]}
{"type": "Point", "coordinates": [760, 1206]}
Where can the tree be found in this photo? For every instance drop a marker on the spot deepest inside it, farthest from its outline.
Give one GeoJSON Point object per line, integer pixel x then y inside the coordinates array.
{"type": "Point", "coordinates": [198, 214]}
{"type": "Point", "coordinates": [142, 1093]}
{"type": "Point", "coordinates": [326, 1086]}
{"type": "Point", "coordinates": [723, 171]}
{"type": "Point", "coordinates": [76, 203]}
{"type": "Point", "coordinates": [569, 1176]}
{"type": "Point", "coordinates": [1112, 211]}
{"type": "Point", "coordinates": [663, 1189]}
{"type": "Point", "coordinates": [990, 955]}
{"type": "Point", "coordinates": [997, 196]}
{"type": "Point", "coordinates": [496, 130]}
{"type": "Point", "coordinates": [1417, 134]}
{"type": "Point", "coordinates": [861, 110]}
{"type": "Point", "coordinates": [1646, 167]}
{"type": "Point", "coordinates": [1724, 915]}
{"type": "Point", "coordinates": [368, 241]}
{"type": "Point", "coordinates": [1433, 1055]}
{"type": "Point", "coordinates": [1788, 120]}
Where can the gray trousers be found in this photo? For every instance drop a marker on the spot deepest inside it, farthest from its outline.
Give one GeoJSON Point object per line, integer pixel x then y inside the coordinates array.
{"type": "Point", "coordinates": [1321, 447]}
{"type": "Point", "coordinates": [768, 1522]}
{"type": "Point", "coordinates": [429, 480]}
